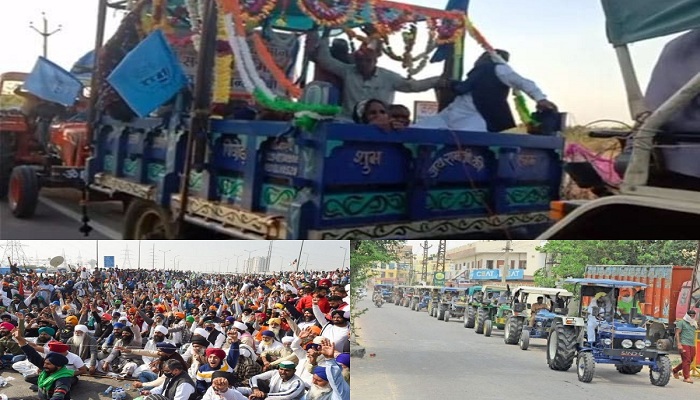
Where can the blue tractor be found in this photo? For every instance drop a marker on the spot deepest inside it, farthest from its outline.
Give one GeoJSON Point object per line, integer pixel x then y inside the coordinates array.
{"type": "Point", "coordinates": [531, 319]}
{"type": "Point", "coordinates": [599, 335]}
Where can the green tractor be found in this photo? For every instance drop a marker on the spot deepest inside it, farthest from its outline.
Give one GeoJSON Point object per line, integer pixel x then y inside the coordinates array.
{"type": "Point", "coordinates": [493, 308]}
{"type": "Point", "coordinates": [453, 303]}
{"type": "Point", "coordinates": [472, 307]}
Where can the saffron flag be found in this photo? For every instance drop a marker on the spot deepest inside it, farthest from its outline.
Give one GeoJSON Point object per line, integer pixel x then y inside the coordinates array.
{"type": "Point", "coordinates": [50, 82]}
{"type": "Point", "coordinates": [149, 75]}
{"type": "Point", "coordinates": [445, 50]}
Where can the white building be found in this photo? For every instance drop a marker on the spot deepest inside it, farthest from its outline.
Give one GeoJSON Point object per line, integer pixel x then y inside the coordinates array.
{"type": "Point", "coordinates": [490, 255]}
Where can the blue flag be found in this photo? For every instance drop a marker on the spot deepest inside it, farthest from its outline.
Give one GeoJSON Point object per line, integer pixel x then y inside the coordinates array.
{"type": "Point", "coordinates": [50, 82]}
{"type": "Point", "coordinates": [149, 75]}
{"type": "Point", "coordinates": [445, 50]}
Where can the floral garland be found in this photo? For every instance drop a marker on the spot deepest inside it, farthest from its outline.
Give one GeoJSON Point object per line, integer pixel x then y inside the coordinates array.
{"type": "Point", "coordinates": [447, 32]}
{"type": "Point", "coordinates": [389, 20]}
{"type": "Point", "coordinates": [306, 115]}
{"type": "Point", "coordinates": [407, 59]}
{"type": "Point", "coordinates": [518, 98]}
{"type": "Point", "coordinates": [254, 11]}
{"type": "Point", "coordinates": [269, 62]}
{"type": "Point", "coordinates": [222, 64]}
{"type": "Point", "coordinates": [329, 15]}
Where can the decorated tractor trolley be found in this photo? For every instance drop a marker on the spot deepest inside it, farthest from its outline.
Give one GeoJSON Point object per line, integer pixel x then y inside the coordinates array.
{"type": "Point", "coordinates": [184, 170]}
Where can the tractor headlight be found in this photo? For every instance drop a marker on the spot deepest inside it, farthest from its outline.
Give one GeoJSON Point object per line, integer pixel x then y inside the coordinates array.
{"type": "Point", "coordinates": [627, 343]}
{"type": "Point", "coordinates": [607, 342]}
{"type": "Point", "coordinates": [539, 324]}
{"type": "Point", "coordinates": [639, 344]}
{"type": "Point", "coordinates": [647, 343]}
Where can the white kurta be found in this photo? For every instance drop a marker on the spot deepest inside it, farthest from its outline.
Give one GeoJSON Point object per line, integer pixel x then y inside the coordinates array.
{"type": "Point", "coordinates": [462, 114]}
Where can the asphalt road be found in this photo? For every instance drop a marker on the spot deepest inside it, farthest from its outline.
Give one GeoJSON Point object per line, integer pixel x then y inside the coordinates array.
{"type": "Point", "coordinates": [58, 216]}
{"type": "Point", "coordinates": [410, 355]}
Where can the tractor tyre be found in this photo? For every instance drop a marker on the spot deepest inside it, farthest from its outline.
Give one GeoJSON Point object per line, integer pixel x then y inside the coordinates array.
{"type": "Point", "coordinates": [585, 367]}
{"type": "Point", "coordinates": [470, 317]}
{"type": "Point", "coordinates": [23, 194]}
{"type": "Point", "coordinates": [481, 317]}
{"type": "Point", "coordinates": [663, 374]}
{"type": "Point", "coordinates": [147, 220]}
{"type": "Point", "coordinates": [513, 330]}
{"type": "Point", "coordinates": [405, 303]}
{"type": "Point", "coordinates": [629, 369]}
{"type": "Point", "coordinates": [488, 326]}
{"type": "Point", "coordinates": [561, 347]}
{"type": "Point", "coordinates": [446, 317]}
{"type": "Point", "coordinates": [524, 341]}
{"type": "Point", "coordinates": [441, 314]}
{"type": "Point", "coordinates": [5, 173]}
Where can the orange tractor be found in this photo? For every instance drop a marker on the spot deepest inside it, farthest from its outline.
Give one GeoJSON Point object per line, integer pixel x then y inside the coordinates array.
{"type": "Point", "coordinates": [40, 146]}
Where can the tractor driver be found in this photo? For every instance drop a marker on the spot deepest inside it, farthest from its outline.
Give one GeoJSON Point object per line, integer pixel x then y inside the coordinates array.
{"type": "Point", "coordinates": [540, 305]}
{"type": "Point", "coordinates": [596, 312]}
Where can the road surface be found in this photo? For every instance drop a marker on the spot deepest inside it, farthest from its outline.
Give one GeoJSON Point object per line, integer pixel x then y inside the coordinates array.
{"type": "Point", "coordinates": [419, 357]}
{"type": "Point", "coordinates": [58, 216]}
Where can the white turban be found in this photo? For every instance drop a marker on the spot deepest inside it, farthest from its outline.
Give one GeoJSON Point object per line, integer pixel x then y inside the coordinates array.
{"type": "Point", "coordinates": [201, 332]}
{"type": "Point", "coordinates": [287, 339]}
{"type": "Point", "coordinates": [246, 351]}
{"type": "Point", "coordinates": [162, 329]}
{"type": "Point", "coordinates": [240, 326]}
{"type": "Point", "coordinates": [81, 328]}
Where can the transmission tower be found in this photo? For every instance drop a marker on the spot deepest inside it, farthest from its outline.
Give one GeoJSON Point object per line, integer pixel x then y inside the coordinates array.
{"type": "Point", "coordinates": [126, 258]}
{"type": "Point", "coordinates": [13, 251]}
{"type": "Point", "coordinates": [153, 257]}
{"type": "Point", "coordinates": [425, 247]}
{"type": "Point", "coordinates": [442, 249]}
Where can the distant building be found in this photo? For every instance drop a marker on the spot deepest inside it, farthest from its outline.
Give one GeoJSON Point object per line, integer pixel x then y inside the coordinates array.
{"type": "Point", "coordinates": [481, 256]}
{"type": "Point", "coordinates": [395, 272]}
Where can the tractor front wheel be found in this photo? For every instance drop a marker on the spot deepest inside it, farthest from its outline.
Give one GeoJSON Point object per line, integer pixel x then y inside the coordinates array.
{"type": "Point", "coordinates": [585, 367]}
{"type": "Point", "coordinates": [481, 317]}
{"type": "Point", "coordinates": [23, 194]}
{"type": "Point", "coordinates": [446, 317]}
{"type": "Point", "coordinates": [661, 376]}
{"type": "Point", "coordinates": [524, 341]}
{"type": "Point", "coordinates": [488, 326]}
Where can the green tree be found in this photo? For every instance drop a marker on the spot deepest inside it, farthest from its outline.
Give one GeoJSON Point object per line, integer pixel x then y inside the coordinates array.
{"type": "Point", "coordinates": [570, 257]}
{"type": "Point", "coordinates": [364, 254]}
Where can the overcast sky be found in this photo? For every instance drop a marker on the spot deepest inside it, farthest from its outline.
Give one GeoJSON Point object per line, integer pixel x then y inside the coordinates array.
{"type": "Point", "coordinates": [190, 254]}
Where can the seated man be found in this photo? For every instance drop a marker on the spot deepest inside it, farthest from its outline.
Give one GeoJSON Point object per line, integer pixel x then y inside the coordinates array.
{"type": "Point", "coordinates": [678, 63]}
{"type": "Point", "coordinates": [596, 313]}
{"type": "Point", "coordinates": [481, 104]}
{"type": "Point", "coordinates": [540, 305]}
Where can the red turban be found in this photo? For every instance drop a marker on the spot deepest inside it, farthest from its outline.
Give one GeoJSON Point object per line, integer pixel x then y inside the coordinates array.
{"type": "Point", "coordinates": [7, 325]}
{"type": "Point", "coordinates": [58, 347]}
{"type": "Point", "coordinates": [217, 352]}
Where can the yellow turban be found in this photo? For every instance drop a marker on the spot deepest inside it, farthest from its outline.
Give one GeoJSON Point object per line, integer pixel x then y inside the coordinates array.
{"type": "Point", "coordinates": [599, 295]}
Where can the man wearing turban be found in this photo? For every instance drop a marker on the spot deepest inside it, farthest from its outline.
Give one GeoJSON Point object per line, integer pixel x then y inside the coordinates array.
{"type": "Point", "coordinates": [283, 384]}
{"type": "Point", "coordinates": [85, 346]}
{"type": "Point", "coordinates": [55, 379]}
{"type": "Point", "coordinates": [217, 360]}
{"type": "Point", "coordinates": [9, 350]}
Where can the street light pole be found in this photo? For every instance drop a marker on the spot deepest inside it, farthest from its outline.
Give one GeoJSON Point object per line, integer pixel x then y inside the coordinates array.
{"type": "Point", "coordinates": [175, 258]}
{"type": "Point", "coordinates": [344, 255]}
{"type": "Point", "coordinates": [249, 253]}
{"type": "Point", "coordinates": [164, 252]}
{"type": "Point", "coordinates": [45, 32]}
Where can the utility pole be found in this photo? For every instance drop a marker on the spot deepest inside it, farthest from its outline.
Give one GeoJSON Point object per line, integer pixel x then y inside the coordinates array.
{"type": "Point", "coordinates": [139, 262]}
{"type": "Point", "coordinates": [164, 252]}
{"type": "Point", "coordinates": [269, 257]}
{"type": "Point", "coordinates": [44, 32]}
{"type": "Point", "coordinates": [425, 247]}
{"type": "Point", "coordinates": [344, 255]}
{"type": "Point", "coordinates": [504, 271]}
{"type": "Point", "coordinates": [299, 258]}
{"type": "Point", "coordinates": [153, 257]}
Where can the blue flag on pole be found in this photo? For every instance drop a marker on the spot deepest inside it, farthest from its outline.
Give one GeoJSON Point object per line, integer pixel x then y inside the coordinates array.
{"type": "Point", "coordinates": [445, 50]}
{"type": "Point", "coordinates": [50, 82]}
{"type": "Point", "coordinates": [149, 75]}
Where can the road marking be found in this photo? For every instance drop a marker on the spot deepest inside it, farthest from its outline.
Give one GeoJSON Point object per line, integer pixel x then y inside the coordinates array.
{"type": "Point", "coordinates": [96, 226]}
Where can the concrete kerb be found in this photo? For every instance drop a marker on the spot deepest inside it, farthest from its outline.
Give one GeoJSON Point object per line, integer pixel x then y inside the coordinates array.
{"type": "Point", "coordinates": [356, 349]}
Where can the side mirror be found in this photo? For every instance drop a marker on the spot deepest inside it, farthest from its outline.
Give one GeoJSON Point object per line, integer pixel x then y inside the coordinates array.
{"type": "Point", "coordinates": [529, 306]}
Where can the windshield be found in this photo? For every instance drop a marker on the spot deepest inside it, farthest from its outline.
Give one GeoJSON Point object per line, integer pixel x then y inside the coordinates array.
{"type": "Point", "coordinates": [8, 99]}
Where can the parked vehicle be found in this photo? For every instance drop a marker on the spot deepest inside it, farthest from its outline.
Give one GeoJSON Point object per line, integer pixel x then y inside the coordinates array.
{"type": "Point", "coordinates": [616, 341]}
{"type": "Point", "coordinates": [668, 295]}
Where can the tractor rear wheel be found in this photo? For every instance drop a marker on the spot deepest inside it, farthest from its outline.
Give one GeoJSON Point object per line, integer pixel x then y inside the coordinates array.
{"type": "Point", "coordinates": [585, 367]}
{"type": "Point", "coordinates": [561, 347]}
{"type": "Point", "coordinates": [470, 317]}
{"type": "Point", "coordinates": [629, 369]}
{"type": "Point", "coordinates": [488, 326]}
{"type": "Point", "coordinates": [513, 330]}
{"type": "Point", "coordinates": [481, 317]}
{"type": "Point", "coordinates": [661, 376]}
{"type": "Point", "coordinates": [23, 194]}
